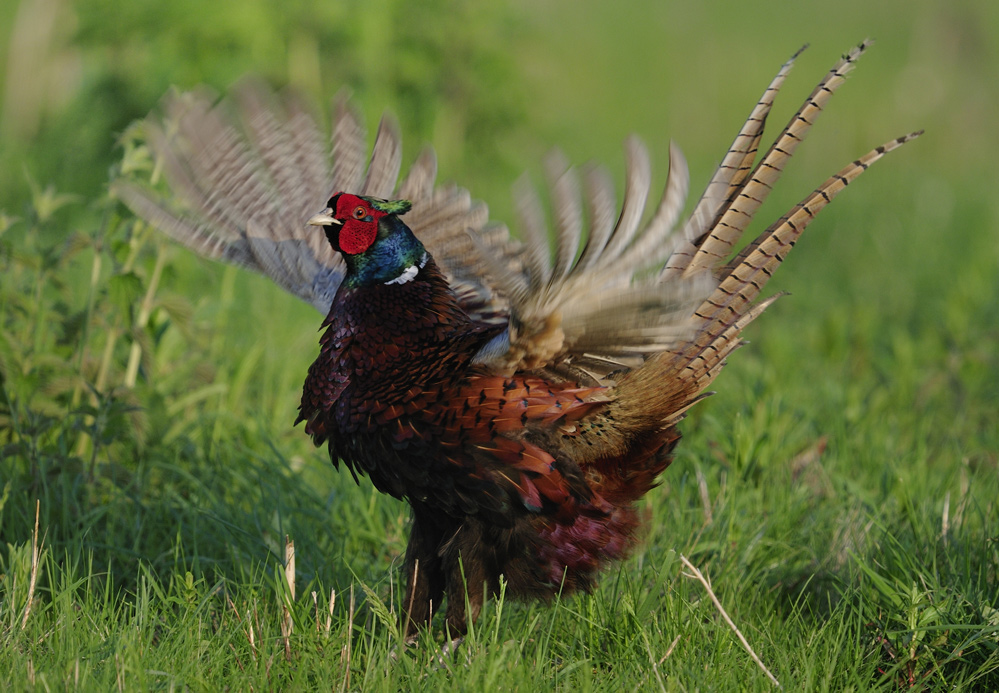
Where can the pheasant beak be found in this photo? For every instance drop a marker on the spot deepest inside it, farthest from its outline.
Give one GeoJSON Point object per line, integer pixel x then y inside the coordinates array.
{"type": "Point", "coordinates": [324, 218]}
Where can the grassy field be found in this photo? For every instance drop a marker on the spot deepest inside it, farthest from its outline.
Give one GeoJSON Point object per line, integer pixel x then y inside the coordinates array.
{"type": "Point", "coordinates": [840, 492]}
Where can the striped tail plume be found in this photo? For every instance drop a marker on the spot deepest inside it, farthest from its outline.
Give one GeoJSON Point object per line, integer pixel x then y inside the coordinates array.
{"type": "Point", "coordinates": [674, 380]}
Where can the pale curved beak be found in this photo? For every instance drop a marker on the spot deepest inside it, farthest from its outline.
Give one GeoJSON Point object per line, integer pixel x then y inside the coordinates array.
{"type": "Point", "coordinates": [324, 218]}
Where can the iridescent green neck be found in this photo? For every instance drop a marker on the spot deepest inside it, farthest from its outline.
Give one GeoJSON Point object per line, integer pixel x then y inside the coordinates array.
{"type": "Point", "coordinates": [395, 257]}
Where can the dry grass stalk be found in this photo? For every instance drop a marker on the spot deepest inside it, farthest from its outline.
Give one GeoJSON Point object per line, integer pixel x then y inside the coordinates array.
{"type": "Point", "coordinates": [702, 486]}
{"type": "Point", "coordinates": [289, 574]}
{"type": "Point", "coordinates": [33, 579]}
{"type": "Point", "coordinates": [745, 643]}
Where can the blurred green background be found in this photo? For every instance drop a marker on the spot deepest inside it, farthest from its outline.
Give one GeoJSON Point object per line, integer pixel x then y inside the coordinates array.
{"type": "Point", "coordinates": [149, 395]}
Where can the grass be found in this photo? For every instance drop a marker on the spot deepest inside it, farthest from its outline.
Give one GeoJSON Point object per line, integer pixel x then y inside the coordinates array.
{"type": "Point", "coordinates": [839, 493]}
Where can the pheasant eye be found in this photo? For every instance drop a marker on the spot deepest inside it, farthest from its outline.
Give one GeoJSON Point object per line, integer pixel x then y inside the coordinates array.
{"type": "Point", "coordinates": [360, 212]}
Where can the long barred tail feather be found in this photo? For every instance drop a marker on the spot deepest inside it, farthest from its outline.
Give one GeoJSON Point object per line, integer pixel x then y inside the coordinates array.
{"type": "Point", "coordinates": [752, 268]}
{"type": "Point", "coordinates": [746, 198]}
{"type": "Point", "coordinates": [729, 177]}
{"type": "Point", "coordinates": [658, 392]}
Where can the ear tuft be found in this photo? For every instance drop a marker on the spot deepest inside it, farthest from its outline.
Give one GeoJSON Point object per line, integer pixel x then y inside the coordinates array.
{"type": "Point", "coordinates": [390, 206]}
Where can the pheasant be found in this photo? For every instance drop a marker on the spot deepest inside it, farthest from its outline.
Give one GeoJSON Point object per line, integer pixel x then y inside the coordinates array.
{"type": "Point", "coordinates": [521, 396]}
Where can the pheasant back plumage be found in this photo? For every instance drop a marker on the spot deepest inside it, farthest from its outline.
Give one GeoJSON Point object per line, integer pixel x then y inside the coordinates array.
{"type": "Point", "coordinates": [392, 396]}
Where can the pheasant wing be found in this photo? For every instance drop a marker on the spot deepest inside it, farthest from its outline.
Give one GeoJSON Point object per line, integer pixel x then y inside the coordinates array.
{"type": "Point", "coordinates": [596, 305]}
{"type": "Point", "coordinates": [249, 169]}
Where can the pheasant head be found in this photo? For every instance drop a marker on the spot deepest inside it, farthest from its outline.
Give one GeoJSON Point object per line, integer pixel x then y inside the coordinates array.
{"type": "Point", "coordinates": [377, 247]}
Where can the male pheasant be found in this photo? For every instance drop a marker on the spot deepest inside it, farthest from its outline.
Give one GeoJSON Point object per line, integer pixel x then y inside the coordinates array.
{"type": "Point", "coordinates": [520, 399]}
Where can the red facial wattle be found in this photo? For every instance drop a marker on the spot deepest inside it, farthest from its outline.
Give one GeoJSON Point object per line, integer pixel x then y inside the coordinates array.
{"type": "Point", "coordinates": [357, 236]}
{"type": "Point", "coordinates": [360, 224]}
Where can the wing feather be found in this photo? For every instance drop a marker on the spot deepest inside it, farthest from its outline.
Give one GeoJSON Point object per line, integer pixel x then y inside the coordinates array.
{"type": "Point", "coordinates": [248, 170]}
